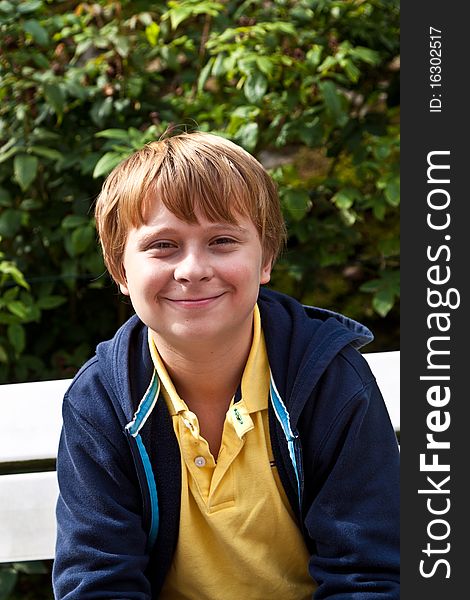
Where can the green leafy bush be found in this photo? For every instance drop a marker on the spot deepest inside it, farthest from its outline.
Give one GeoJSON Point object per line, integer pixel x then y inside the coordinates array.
{"type": "Point", "coordinates": [308, 86]}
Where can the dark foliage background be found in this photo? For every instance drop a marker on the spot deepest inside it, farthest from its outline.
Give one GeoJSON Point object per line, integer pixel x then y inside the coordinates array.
{"type": "Point", "coordinates": [310, 87]}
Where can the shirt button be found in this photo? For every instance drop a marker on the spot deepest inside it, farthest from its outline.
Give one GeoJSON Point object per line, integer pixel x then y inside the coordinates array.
{"type": "Point", "coordinates": [200, 461]}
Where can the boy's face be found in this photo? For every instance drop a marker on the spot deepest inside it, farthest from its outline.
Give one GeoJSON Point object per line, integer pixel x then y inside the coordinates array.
{"type": "Point", "coordinates": [194, 282]}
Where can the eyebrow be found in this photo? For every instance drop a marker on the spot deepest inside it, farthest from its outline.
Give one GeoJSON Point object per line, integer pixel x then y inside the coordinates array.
{"type": "Point", "coordinates": [227, 226]}
{"type": "Point", "coordinates": [157, 232]}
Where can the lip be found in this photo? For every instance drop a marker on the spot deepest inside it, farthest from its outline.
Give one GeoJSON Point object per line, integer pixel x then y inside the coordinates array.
{"type": "Point", "coordinates": [194, 302]}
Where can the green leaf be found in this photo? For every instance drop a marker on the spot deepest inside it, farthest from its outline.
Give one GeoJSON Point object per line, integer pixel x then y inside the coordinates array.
{"type": "Point", "coordinates": [17, 337]}
{"type": "Point", "coordinates": [392, 191]}
{"type": "Point", "coordinates": [10, 295]}
{"type": "Point", "coordinates": [311, 133]}
{"type": "Point", "coordinates": [46, 152]}
{"type": "Point", "coordinates": [134, 86]}
{"type": "Point", "coordinates": [389, 247]}
{"type": "Point", "coordinates": [382, 151]}
{"type": "Point", "coordinates": [114, 134]}
{"type": "Point", "coordinates": [11, 270]}
{"type": "Point", "coordinates": [41, 61]}
{"type": "Point", "coordinates": [329, 63]}
{"type": "Point", "coordinates": [19, 309]}
{"type": "Point", "coordinates": [265, 65]}
{"type": "Point", "coordinates": [313, 56]}
{"type": "Point", "coordinates": [255, 87]}
{"type": "Point", "coordinates": [247, 136]}
{"type": "Point", "coordinates": [385, 290]}
{"type": "Point", "coordinates": [6, 7]}
{"type": "Point", "coordinates": [100, 110]}
{"type": "Point", "coordinates": [55, 97]}
{"type": "Point", "coordinates": [348, 216]}
{"type": "Point", "coordinates": [379, 209]}
{"type": "Point", "coordinates": [152, 32]}
{"type": "Point", "coordinates": [10, 222]}
{"type": "Point", "coordinates": [219, 68]}
{"type": "Point", "coordinates": [372, 57]}
{"type": "Point", "coordinates": [107, 163]}
{"type": "Point", "coordinates": [204, 74]}
{"type": "Point", "coordinates": [346, 197]}
{"type": "Point", "coordinates": [121, 43]}
{"type": "Point", "coordinates": [49, 302]}
{"type": "Point", "coordinates": [27, 7]}
{"type": "Point", "coordinates": [179, 14]}
{"type": "Point", "coordinates": [351, 70]}
{"type": "Point", "coordinates": [28, 204]}
{"type": "Point", "coordinates": [7, 318]}
{"type": "Point", "coordinates": [383, 302]}
{"type": "Point", "coordinates": [25, 168]}
{"type": "Point", "coordinates": [75, 90]}
{"type": "Point", "coordinates": [37, 32]}
{"type": "Point", "coordinates": [81, 239]}
{"type": "Point", "coordinates": [11, 152]}
{"type": "Point", "coordinates": [333, 102]}
{"type": "Point", "coordinates": [73, 221]}
{"type": "Point", "coordinates": [296, 202]}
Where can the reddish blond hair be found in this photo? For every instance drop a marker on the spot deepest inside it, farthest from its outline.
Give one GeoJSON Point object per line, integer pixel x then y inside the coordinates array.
{"type": "Point", "coordinates": [188, 172]}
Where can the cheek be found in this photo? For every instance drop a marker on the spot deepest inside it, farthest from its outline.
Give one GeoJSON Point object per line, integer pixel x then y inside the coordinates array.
{"type": "Point", "coordinates": [245, 274]}
{"type": "Point", "coordinates": [141, 276]}
{"type": "Point", "coordinates": [239, 271]}
{"type": "Point", "coordinates": [149, 278]}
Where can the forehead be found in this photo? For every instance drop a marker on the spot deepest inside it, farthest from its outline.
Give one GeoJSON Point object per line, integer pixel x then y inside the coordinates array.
{"type": "Point", "coordinates": [157, 215]}
{"type": "Point", "coordinates": [193, 207]}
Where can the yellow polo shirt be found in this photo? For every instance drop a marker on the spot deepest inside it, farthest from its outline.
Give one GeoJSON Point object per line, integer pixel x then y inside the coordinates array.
{"type": "Point", "coordinates": [237, 537]}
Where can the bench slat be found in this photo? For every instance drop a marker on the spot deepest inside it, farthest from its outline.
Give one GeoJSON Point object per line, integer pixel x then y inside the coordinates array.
{"type": "Point", "coordinates": [386, 368]}
{"type": "Point", "coordinates": [31, 419]}
{"type": "Point", "coordinates": [27, 516]}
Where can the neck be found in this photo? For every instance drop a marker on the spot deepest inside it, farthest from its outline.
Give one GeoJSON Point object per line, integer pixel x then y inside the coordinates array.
{"type": "Point", "coordinates": [204, 373]}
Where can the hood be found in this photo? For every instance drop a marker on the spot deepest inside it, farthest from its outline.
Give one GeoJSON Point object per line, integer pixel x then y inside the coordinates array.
{"type": "Point", "coordinates": [302, 341]}
{"type": "Point", "coordinates": [127, 358]}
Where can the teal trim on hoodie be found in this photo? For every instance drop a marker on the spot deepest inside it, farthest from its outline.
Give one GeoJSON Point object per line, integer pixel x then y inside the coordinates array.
{"type": "Point", "coordinates": [283, 417]}
{"type": "Point", "coordinates": [155, 517]}
{"type": "Point", "coordinates": [143, 412]}
{"type": "Point", "coordinates": [146, 406]}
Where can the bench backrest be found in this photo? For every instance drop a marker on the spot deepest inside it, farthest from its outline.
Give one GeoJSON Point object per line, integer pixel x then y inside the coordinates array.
{"type": "Point", "coordinates": [30, 414]}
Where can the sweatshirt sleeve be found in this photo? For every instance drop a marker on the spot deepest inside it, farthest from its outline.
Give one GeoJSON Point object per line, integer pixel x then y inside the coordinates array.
{"type": "Point", "coordinates": [101, 542]}
{"type": "Point", "coordinates": [351, 504]}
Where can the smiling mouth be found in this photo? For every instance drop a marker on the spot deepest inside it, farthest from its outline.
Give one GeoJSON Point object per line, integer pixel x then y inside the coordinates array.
{"type": "Point", "coordinates": [194, 302]}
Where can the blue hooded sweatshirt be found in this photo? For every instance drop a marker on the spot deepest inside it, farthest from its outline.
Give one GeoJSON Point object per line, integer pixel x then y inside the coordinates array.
{"type": "Point", "coordinates": [335, 449]}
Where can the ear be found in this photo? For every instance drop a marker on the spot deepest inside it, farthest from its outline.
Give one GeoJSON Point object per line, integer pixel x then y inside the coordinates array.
{"type": "Point", "coordinates": [124, 290]}
{"type": "Point", "coordinates": [123, 282]}
{"type": "Point", "coordinates": [265, 273]}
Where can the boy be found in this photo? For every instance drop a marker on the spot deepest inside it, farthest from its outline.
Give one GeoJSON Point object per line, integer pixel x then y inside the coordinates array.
{"type": "Point", "coordinates": [228, 442]}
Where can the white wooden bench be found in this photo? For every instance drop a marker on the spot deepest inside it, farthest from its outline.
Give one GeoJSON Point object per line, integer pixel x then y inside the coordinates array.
{"type": "Point", "coordinates": [30, 417]}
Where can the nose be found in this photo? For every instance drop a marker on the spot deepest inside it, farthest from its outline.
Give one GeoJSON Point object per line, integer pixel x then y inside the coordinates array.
{"type": "Point", "coordinates": [193, 267]}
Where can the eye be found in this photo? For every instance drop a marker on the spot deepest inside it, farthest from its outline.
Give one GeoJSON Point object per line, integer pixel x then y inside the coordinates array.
{"type": "Point", "coordinates": [161, 247]}
{"type": "Point", "coordinates": [223, 241]}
